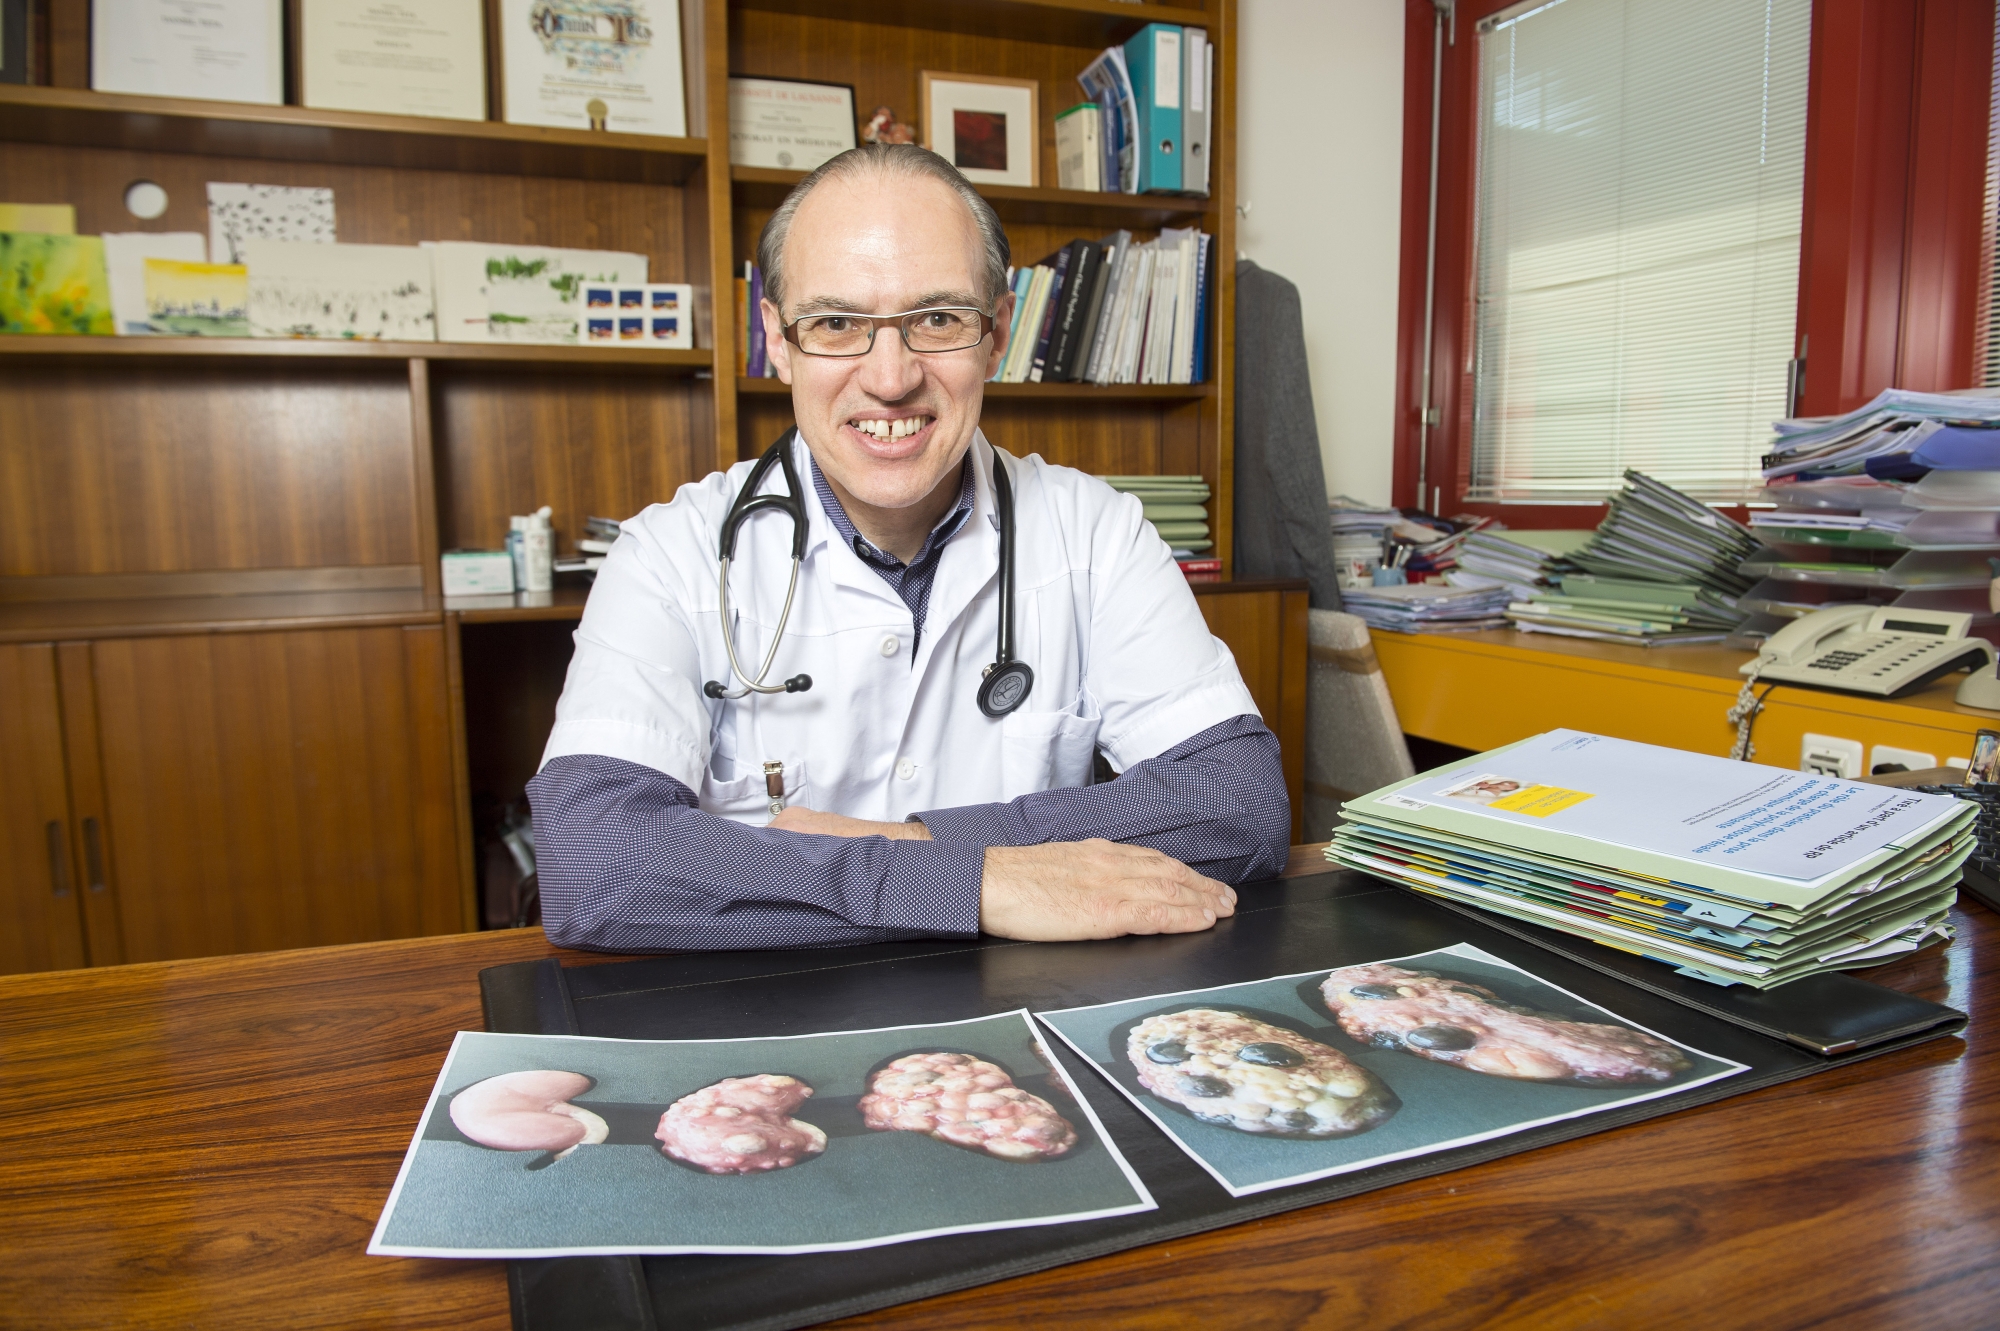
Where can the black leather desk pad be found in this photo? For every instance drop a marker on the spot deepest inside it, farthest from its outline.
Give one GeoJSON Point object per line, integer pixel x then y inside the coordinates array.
{"type": "Point", "coordinates": [1301, 924]}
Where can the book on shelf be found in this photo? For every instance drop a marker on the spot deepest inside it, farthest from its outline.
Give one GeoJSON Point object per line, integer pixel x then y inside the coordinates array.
{"type": "Point", "coordinates": [218, 50]}
{"type": "Point", "coordinates": [411, 58]}
{"type": "Point", "coordinates": [1174, 506]}
{"type": "Point", "coordinates": [1113, 311]}
{"type": "Point", "coordinates": [1156, 96]}
{"type": "Point", "coordinates": [1079, 155]}
{"type": "Point", "coordinates": [753, 359]}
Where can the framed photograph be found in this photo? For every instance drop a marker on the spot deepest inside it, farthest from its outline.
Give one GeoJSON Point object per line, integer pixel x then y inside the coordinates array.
{"type": "Point", "coordinates": [788, 124]}
{"type": "Point", "coordinates": [986, 127]}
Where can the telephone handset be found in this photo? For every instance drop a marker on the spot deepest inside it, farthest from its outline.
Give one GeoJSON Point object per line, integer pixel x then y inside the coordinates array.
{"type": "Point", "coordinates": [1878, 650]}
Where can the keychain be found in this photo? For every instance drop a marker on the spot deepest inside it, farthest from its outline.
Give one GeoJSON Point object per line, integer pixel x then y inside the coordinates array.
{"type": "Point", "coordinates": [774, 786]}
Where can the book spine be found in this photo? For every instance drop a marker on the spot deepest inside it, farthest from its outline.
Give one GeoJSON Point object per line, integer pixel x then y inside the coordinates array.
{"type": "Point", "coordinates": [1128, 122]}
{"type": "Point", "coordinates": [1079, 160]}
{"type": "Point", "coordinates": [754, 317]}
{"type": "Point", "coordinates": [1153, 58]}
{"type": "Point", "coordinates": [1069, 316]}
{"type": "Point", "coordinates": [1046, 331]}
{"type": "Point", "coordinates": [742, 303]}
{"type": "Point", "coordinates": [1086, 336]}
{"type": "Point", "coordinates": [1194, 111]}
{"type": "Point", "coordinates": [1105, 320]}
{"type": "Point", "coordinates": [1021, 354]}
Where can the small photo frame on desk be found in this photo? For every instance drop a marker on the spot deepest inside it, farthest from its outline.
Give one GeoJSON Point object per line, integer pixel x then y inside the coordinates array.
{"type": "Point", "coordinates": [989, 128]}
{"type": "Point", "coordinates": [788, 124]}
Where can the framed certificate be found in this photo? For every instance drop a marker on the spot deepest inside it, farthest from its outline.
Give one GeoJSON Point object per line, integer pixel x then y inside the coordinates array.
{"type": "Point", "coordinates": [788, 124]}
{"type": "Point", "coordinates": [218, 50]}
{"type": "Point", "coordinates": [584, 64]}
{"type": "Point", "coordinates": [411, 58]}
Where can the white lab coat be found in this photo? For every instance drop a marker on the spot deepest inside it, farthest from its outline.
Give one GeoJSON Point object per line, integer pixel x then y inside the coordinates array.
{"type": "Point", "coordinates": [1121, 656]}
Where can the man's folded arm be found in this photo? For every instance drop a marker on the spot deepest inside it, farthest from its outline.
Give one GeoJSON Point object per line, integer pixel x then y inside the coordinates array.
{"type": "Point", "coordinates": [1216, 802]}
{"type": "Point", "coordinates": [626, 859]}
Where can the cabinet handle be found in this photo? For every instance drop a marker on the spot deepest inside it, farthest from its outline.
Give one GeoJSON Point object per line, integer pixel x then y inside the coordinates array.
{"type": "Point", "coordinates": [58, 861]}
{"type": "Point", "coordinates": [93, 855]}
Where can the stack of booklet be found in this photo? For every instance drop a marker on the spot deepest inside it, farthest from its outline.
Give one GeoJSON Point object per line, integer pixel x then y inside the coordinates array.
{"type": "Point", "coordinates": [1897, 436]}
{"type": "Point", "coordinates": [1174, 506]}
{"type": "Point", "coordinates": [1661, 568]}
{"type": "Point", "coordinates": [1526, 563]}
{"type": "Point", "coordinates": [1427, 607]}
{"type": "Point", "coordinates": [1730, 872]}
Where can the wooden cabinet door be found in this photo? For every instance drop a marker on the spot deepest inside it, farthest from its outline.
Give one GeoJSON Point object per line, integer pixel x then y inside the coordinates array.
{"type": "Point", "coordinates": [274, 790]}
{"type": "Point", "coordinates": [41, 919]}
{"type": "Point", "coordinates": [1266, 631]}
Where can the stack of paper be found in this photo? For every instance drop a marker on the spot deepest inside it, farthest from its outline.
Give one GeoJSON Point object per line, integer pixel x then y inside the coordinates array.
{"type": "Point", "coordinates": [1524, 562]}
{"type": "Point", "coordinates": [1428, 607]}
{"type": "Point", "coordinates": [1896, 436]}
{"type": "Point", "coordinates": [1730, 872]}
{"type": "Point", "coordinates": [1661, 567]}
{"type": "Point", "coordinates": [1174, 506]}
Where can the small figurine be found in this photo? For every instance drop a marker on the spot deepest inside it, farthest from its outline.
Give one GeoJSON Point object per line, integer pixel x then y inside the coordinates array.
{"type": "Point", "coordinates": [883, 127]}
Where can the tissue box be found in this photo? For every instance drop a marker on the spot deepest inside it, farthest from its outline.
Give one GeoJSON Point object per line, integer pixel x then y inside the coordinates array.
{"type": "Point", "coordinates": [478, 573]}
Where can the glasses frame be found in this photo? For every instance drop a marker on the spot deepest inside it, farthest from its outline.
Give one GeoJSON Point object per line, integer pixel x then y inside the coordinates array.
{"type": "Point", "coordinates": [875, 322]}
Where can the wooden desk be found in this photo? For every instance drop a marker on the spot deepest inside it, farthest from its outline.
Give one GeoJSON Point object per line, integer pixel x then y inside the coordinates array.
{"type": "Point", "coordinates": [1482, 690]}
{"type": "Point", "coordinates": [208, 1143]}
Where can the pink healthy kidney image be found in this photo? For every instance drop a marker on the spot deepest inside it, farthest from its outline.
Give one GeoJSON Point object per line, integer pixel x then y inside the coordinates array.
{"type": "Point", "coordinates": [528, 1111]}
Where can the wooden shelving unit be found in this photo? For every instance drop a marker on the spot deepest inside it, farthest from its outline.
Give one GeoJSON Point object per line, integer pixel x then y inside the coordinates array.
{"type": "Point", "coordinates": [219, 557]}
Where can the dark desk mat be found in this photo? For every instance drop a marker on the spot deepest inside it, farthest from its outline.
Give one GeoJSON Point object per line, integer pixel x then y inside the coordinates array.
{"type": "Point", "coordinates": [1334, 919]}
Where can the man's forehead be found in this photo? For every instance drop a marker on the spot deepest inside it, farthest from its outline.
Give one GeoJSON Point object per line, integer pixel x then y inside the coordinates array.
{"type": "Point", "coordinates": [858, 240]}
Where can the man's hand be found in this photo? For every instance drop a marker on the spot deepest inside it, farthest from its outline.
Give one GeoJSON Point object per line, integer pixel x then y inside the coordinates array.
{"type": "Point", "coordinates": [1094, 889]}
{"type": "Point", "coordinates": [796, 818]}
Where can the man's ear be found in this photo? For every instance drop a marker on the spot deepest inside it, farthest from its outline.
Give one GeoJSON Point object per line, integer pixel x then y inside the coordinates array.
{"type": "Point", "coordinates": [772, 330]}
{"type": "Point", "coordinates": [1003, 333]}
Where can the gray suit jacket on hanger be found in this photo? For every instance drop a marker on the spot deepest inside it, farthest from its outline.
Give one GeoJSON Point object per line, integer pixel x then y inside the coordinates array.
{"type": "Point", "coordinates": [1281, 518]}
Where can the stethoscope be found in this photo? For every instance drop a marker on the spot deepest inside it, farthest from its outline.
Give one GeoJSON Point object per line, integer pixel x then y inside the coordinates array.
{"type": "Point", "coordinates": [1004, 685]}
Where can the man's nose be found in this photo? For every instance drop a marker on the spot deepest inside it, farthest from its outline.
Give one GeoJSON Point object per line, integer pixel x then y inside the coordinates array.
{"type": "Point", "coordinates": [890, 370]}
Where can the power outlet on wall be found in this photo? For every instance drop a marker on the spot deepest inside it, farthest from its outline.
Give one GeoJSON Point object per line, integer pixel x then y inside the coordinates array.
{"type": "Point", "coordinates": [1909, 760]}
{"type": "Point", "coordinates": [1828, 755]}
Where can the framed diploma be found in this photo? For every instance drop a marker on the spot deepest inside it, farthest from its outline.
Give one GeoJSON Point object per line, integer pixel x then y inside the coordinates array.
{"type": "Point", "coordinates": [788, 125]}
{"type": "Point", "coordinates": [584, 64]}
{"type": "Point", "coordinates": [218, 50]}
{"type": "Point", "coordinates": [398, 57]}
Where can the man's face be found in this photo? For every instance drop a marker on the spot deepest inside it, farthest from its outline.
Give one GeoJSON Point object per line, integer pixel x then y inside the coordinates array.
{"type": "Point", "coordinates": [890, 426]}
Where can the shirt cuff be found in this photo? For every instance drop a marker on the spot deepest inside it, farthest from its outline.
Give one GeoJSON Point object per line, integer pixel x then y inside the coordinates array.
{"type": "Point", "coordinates": [932, 888]}
{"type": "Point", "coordinates": [979, 825]}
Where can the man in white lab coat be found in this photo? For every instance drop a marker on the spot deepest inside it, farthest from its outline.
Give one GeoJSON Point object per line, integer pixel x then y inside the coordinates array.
{"type": "Point", "coordinates": [902, 809]}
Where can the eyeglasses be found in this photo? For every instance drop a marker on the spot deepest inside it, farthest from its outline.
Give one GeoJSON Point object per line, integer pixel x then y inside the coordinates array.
{"type": "Point", "coordinates": [943, 328]}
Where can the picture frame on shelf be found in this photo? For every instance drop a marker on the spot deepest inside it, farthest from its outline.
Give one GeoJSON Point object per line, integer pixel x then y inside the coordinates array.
{"type": "Point", "coordinates": [987, 127]}
{"type": "Point", "coordinates": [413, 58]}
{"type": "Point", "coordinates": [592, 65]}
{"type": "Point", "coordinates": [788, 124]}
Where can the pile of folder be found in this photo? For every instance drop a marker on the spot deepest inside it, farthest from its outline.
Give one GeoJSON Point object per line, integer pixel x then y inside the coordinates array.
{"type": "Point", "coordinates": [1428, 607]}
{"type": "Point", "coordinates": [1526, 563]}
{"type": "Point", "coordinates": [1174, 505]}
{"type": "Point", "coordinates": [1898, 436]}
{"type": "Point", "coordinates": [1730, 872]}
{"type": "Point", "coordinates": [1661, 567]}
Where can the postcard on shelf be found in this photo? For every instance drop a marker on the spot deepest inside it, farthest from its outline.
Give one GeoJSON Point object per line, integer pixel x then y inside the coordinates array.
{"type": "Point", "coordinates": [125, 255]}
{"type": "Point", "coordinates": [368, 293]}
{"type": "Point", "coordinates": [410, 58]}
{"type": "Point", "coordinates": [986, 127]}
{"type": "Point", "coordinates": [593, 64]}
{"type": "Point", "coordinates": [197, 299]}
{"type": "Point", "coordinates": [1302, 1077]}
{"type": "Point", "coordinates": [53, 284]}
{"type": "Point", "coordinates": [52, 219]}
{"type": "Point", "coordinates": [519, 293]}
{"type": "Point", "coordinates": [543, 1145]}
{"type": "Point", "coordinates": [652, 314]}
{"type": "Point", "coordinates": [788, 125]}
{"type": "Point", "coordinates": [237, 213]}
{"type": "Point", "coordinates": [217, 50]}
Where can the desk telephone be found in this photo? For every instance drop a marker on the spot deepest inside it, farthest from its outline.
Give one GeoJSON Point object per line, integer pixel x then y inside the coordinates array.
{"type": "Point", "coordinates": [1869, 649]}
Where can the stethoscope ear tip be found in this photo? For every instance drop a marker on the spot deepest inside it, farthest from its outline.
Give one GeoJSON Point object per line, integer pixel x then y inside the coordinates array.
{"type": "Point", "coordinates": [714, 689]}
{"type": "Point", "coordinates": [798, 683]}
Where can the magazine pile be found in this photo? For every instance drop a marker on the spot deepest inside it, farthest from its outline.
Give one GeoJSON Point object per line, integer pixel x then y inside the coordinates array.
{"type": "Point", "coordinates": [1730, 872]}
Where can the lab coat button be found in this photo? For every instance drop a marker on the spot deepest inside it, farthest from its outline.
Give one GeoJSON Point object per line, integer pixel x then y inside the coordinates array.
{"type": "Point", "coordinates": [905, 768]}
{"type": "Point", "coordinates": [890, 645]}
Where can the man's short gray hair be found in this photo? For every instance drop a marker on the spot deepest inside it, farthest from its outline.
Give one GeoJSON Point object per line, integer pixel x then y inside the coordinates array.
{"type": "Point", "coordinates": [892, 160]}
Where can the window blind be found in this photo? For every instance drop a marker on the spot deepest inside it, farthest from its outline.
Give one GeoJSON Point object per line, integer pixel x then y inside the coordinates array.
{"type": "Point", "coordinates": [1640, 182]}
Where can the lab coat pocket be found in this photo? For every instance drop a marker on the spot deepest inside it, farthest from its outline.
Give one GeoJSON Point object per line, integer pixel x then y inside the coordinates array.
{"type": "Point", "coordinates": [747, 799]}
{"type": "Point", "coordinates": [1049, 750]}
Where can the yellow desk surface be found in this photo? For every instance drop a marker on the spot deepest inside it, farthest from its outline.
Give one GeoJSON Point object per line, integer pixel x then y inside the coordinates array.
{"type": "Point", "coordinates": [1481, 690]}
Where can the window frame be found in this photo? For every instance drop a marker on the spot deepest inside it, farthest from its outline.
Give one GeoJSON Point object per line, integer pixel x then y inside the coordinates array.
{"type": "Point", "coordinates": [1891, 243]}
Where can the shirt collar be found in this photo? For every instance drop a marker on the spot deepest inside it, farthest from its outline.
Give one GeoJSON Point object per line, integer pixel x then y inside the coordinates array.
{"type": "Point", "coordinates": [948, 526]}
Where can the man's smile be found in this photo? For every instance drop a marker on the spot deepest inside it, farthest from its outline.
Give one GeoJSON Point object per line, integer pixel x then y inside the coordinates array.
{"type": "Point", "coordinates": [908, 432]}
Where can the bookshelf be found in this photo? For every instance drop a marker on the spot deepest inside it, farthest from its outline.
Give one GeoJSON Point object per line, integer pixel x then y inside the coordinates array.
{"type": "Point", "coordinates": [168, 496]}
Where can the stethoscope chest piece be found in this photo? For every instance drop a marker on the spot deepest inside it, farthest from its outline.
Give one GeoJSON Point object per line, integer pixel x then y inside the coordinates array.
{"type": "Point", "coordinates": [1005, 687]}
